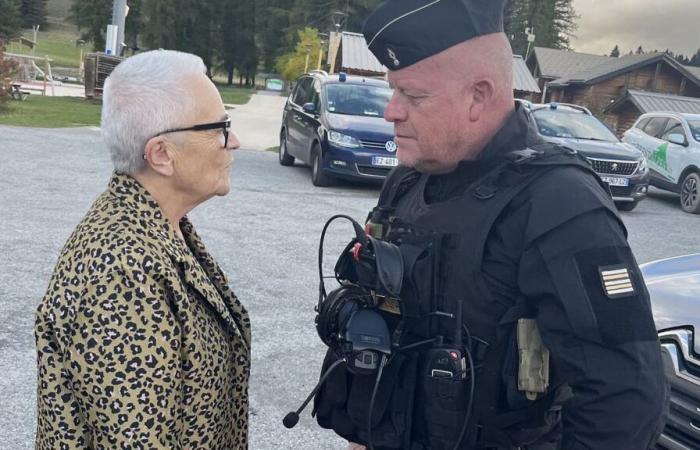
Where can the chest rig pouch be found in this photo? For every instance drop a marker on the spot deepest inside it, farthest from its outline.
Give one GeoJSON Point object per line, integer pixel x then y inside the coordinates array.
{"type": "Point", "coordinates": [496, 401]}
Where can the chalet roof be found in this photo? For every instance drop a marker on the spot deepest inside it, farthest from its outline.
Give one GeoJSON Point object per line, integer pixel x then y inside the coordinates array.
{"type": "Point", "coordinates": [656, 102]}
{"type": "Point", "coordinates": [693, 70]}
{"type": "Point", "coordinates": [356, 54]}
{"type": "Point", "coordinates": [613, 67]}
{"type": "Point", "coordinates": [555, 63]}
{"type": "Point", "coordinates": [522, 78]}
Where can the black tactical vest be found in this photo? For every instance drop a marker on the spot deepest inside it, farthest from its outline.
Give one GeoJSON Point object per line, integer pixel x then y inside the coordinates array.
{"type": "Point", "coordinates": [445, 244]}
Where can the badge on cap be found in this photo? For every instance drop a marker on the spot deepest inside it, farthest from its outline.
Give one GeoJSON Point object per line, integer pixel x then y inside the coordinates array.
{"type": "Point", "coordinates": [392, 56]}
{"type": "Point", "coordinates": [616, 281]}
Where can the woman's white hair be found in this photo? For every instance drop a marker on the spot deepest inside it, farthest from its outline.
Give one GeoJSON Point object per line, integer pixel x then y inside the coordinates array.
{"type": "Point", "coordinates": [145, 95]}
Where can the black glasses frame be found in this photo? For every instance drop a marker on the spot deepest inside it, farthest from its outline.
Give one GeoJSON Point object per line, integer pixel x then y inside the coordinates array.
{"type": "Point", "coordinates": [224, 125]}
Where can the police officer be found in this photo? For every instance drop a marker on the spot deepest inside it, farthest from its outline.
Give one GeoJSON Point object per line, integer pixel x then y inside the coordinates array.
{"type": "Point", "coordinates": [559, 320]}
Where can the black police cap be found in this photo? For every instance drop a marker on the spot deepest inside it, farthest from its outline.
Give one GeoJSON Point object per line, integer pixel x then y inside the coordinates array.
{"type": "Point", "coordinates": [403, 32]}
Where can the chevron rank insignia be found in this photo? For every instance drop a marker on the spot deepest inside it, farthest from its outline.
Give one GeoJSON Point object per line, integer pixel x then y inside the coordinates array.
{"type": "Point", "coordinates": [616, 281]}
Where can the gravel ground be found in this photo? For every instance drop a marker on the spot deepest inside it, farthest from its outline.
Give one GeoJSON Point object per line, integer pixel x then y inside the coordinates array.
{"type": "Point", "coordinates": [264, 234]}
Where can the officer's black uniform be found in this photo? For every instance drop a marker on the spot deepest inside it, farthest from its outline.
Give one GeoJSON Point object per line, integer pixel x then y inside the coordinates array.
{"type": "Point", "coordinates": [537, 236]}
{"type": "Point", "coordinates": [547, 247]}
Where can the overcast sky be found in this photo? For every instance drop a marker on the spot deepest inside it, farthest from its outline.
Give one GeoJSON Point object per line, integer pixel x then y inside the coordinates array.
{"type": "Point", "coordinates": [653, 24]}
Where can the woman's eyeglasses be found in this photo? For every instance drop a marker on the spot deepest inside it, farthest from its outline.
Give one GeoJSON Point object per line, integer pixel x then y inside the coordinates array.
{"type": "Point", "coordinates": [225, 127]}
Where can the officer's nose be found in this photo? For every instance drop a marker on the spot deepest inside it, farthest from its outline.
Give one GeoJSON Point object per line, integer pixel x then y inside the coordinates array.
{"type": "Point", "coordinates": [394, 111]}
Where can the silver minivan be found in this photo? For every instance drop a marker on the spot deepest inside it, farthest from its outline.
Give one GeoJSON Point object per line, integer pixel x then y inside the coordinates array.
{"type": "Point", "coordinates": [671, 143]}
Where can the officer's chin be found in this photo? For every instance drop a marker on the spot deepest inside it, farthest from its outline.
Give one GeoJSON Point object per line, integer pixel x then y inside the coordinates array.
{"type": "Point", "coordinates": [432, 167]}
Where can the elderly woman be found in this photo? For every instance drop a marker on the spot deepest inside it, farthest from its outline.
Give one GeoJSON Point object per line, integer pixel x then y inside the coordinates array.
{"type": "Point", "coordinates": [141, 343]}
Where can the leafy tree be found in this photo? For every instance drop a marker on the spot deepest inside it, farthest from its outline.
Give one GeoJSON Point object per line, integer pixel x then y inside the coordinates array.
{"type": "Point", "coordinates": [615, 53]}
{"type": "Point", "coordinates": [9, 20]}
{"type": "Point", "coordinates": [33, 13]}
{"type": "Point", "coordinates": [291, 65]}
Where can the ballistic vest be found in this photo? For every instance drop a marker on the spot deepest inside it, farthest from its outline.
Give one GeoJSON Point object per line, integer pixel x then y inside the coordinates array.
{"type": "Point", "coordinates": [444, 244]}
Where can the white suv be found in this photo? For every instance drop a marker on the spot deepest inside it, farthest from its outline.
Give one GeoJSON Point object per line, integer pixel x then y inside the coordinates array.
{"type": "Point", "coordinates": [671, 143]}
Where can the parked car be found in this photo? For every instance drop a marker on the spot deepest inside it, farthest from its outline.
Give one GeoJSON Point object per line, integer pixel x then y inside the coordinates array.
{"type": "Point", "coordinates": [674, 288]}
{"type": "Point", "coordinates": [335, 123]}
{"type": "Point", "coordinates": [620, 165]}
{"type": "Point", "coordinates": [671, 143]}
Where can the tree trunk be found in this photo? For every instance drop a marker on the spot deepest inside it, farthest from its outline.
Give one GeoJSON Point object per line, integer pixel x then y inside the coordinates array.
{"type": "Point", "coordinates": [230, 76]}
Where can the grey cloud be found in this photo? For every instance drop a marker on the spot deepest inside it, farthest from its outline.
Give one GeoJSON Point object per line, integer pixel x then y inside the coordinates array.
{"type": "Point", "coordinates": [653, 24]}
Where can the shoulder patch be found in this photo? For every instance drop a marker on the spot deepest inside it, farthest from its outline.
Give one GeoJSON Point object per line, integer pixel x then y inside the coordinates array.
{"type": "Point", "coordinates": [616, 281]}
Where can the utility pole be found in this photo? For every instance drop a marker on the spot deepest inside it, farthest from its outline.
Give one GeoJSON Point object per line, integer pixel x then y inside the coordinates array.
{"type": "Point", "coordinates": [530, 32]}
{"type": "Point", "coordinates": [119, 11]}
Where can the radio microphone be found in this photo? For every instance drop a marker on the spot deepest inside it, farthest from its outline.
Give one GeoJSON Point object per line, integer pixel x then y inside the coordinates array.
{"type": "Point", "coordinates": [291, 419]}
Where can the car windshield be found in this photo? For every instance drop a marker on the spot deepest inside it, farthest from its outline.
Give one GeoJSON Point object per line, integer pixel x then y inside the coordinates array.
{"type": "Point", "coordinates": [562, 124]}
{"type": "Point", "coordinates": [695, 129]}
{"type": "Point", "coordinates": [357, 100]}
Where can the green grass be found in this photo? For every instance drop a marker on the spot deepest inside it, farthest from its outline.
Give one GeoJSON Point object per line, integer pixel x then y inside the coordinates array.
{"type": "Point", "coordinates": [235, 95]}
{"type": "Point", "coordinates": [273, 149]}
{"type": "Point", "coordinates": [52, 112]}
{"type": "Point", "coordinates": [58, 44]}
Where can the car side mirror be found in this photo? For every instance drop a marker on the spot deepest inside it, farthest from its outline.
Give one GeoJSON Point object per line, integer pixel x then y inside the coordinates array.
{"type": "Point", "coordinates": [678, 139]}
{"type": "Point", "coordinates": [309, 108]}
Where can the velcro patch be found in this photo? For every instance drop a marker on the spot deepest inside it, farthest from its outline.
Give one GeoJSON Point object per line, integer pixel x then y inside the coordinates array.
{"type": "Point", "coordinates": [616, 281]}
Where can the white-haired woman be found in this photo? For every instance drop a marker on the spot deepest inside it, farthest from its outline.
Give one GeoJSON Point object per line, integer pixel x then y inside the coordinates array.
{"type": "Point", "coordinates": [141, 343]}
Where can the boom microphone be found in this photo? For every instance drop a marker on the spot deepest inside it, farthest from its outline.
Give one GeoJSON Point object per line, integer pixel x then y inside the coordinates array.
{"type": "Point", "coordinates": [292, 418]}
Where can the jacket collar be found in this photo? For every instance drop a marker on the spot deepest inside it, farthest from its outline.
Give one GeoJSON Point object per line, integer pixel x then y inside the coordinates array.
{"type": "Point", "coordinates": [194, 264]}
{"type": "Point", "coordinates": [516, 133]}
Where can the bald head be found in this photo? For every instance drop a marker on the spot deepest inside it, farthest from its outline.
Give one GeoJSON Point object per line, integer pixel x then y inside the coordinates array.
{"type": "Point", "coordinates": [447, 107]}
{"type": "Point", "coordinates": [484, 58]}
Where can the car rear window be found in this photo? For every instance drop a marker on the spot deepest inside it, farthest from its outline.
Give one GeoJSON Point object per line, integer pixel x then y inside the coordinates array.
{"type": "Point", "coordinates": [575, 125]}
{"type": "Point", "coordinates": [357, 100]}
{"type": "Point", "coordinates": [642, 123]}
{"type": "Point", "coordinates": [655, 126]}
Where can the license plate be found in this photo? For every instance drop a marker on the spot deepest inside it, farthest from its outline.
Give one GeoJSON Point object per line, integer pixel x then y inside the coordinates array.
{"type": "Point", "coordinates": [614, 181]}
{"type": "Point", "coordinates": [383, 161]}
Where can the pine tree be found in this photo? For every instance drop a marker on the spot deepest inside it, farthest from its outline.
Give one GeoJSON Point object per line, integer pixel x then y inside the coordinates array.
{"type": "Point", "coordinates": [10, 22]}
{"type": "Point", "coordinates": [33, 12]}
{"type": "Point", "coordinates": [91, 19]}
{"type": "Point", "coordinates": [272, 21]}
{"type": "Point", "coordinates": [236, 48]}
{"type": "Point", "coordinates": [695, 60]}
{"type": "Point", "coordinates": [553, 23]}
{"type": "Point", "coordinates": [133, 25]}
{"type": "Point", "coordinates": [615, 53]}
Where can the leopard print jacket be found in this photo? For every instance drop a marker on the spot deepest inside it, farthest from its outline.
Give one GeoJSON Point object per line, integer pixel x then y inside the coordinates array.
{"type": "Point", "coordinates": [141, 343]}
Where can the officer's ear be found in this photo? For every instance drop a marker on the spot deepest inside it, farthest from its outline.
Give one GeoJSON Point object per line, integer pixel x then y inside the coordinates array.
{"type": "Point", "coordinates": [482, 93]}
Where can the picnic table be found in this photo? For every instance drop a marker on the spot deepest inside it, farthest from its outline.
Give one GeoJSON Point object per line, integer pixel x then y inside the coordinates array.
{"type": "Point", "coordinates": [17, 93]}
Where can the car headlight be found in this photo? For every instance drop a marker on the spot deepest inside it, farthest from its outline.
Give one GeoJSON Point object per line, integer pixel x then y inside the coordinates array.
{"type": "Point", "coordinates": [643, 166]}
{"type": "Point", "coordinates": [343, 140]}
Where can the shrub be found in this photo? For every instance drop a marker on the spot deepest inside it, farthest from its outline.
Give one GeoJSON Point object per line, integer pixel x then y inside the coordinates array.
{"type": "Point", "coordinates": [7, 70]}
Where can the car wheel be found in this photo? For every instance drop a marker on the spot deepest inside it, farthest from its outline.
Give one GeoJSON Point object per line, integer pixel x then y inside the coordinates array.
{"type": "Point", "coordinates": [285, 158]}
{"type": "Point", "coordinates": [625, 206]}
{"type": "Point", "coordinates": [690, 193]}
{"type": "Point", "coordinates": [318, 176]}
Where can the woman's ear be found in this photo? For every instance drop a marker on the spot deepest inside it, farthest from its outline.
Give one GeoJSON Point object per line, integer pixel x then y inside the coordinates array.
{"type": "Point", "coordinates": [159, 156]}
